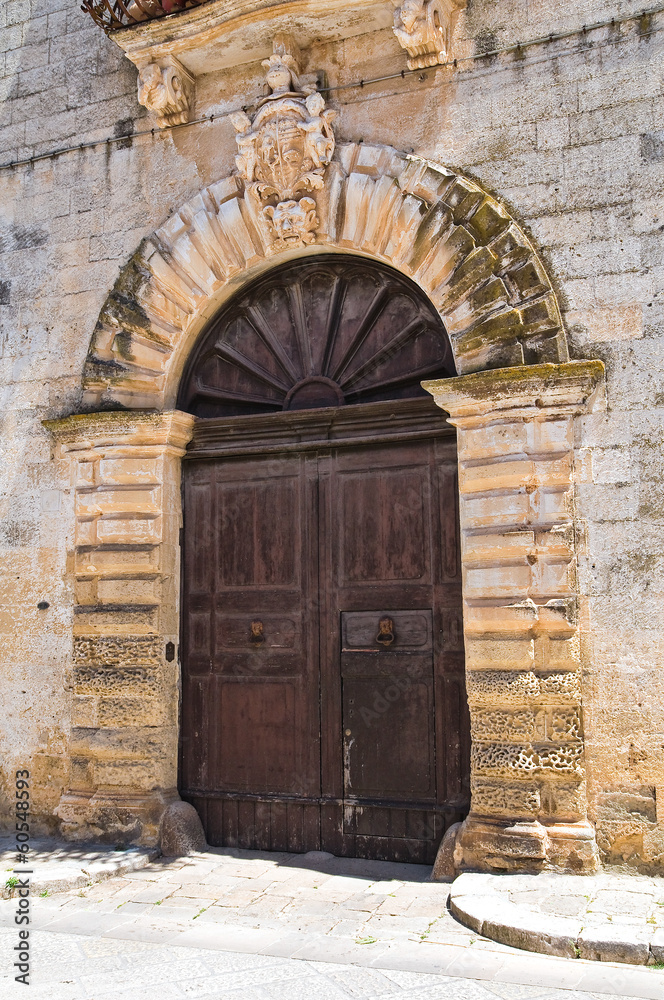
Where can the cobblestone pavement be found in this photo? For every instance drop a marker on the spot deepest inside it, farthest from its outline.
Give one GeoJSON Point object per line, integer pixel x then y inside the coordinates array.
{"type": "Point", "coordinates": [230, 924]}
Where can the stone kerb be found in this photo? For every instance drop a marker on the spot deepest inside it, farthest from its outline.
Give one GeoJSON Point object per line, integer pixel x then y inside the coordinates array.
{"type": "Point", "coordinates": [516, 448]}
{"type": "Point", "coordinates": [126, 477]}
{"type": "Point", "coordinates": [434, 225]}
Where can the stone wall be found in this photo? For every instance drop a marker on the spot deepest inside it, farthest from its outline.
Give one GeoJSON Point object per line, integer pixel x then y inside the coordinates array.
{"type": "Point", "coordinates": [569, 135]}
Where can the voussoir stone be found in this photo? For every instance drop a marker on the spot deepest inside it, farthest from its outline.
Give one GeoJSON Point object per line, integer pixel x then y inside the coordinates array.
{"type": "Point", "coordinates": [181, 831]}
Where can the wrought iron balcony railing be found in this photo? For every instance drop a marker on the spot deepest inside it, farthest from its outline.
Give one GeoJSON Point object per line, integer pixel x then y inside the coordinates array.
{"type": "Point", "coordinates": [113, 14]}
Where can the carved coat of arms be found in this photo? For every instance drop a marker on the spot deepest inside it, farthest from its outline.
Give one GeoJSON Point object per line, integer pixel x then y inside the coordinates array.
{"type": "Point", "coordinates": [283, 152]}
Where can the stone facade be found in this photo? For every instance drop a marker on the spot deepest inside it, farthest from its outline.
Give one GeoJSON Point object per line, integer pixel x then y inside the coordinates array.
{"type": "Point", "coordinates": [525, 187]}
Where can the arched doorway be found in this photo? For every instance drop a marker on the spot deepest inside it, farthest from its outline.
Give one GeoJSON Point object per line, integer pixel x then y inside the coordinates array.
{"type": "Point", "coordinates": [323, 698]}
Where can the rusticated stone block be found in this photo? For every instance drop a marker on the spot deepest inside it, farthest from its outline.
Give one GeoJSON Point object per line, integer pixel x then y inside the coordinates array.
{"type": "Point", "coordinates": [117, 650]}
{"type": "Point", "coordinates": [133, 711]}
{"type": "Point", "coordinates": [115, 679]}
{"type": "Point", "coordinates": [503, 724]}
{"type": "Point", "coordinates": [499, 798]}
{"type": "Point", "coordinates": [502, 687]}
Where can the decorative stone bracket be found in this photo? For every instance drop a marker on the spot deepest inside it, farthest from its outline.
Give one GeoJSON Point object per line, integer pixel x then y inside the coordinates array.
{"type": "Point", "coordinates": [125, 469]}
{"type": "Point", "coordinates": [166, 89]}
{"type": "Point", "coordinates": [425, 29]}
{"type": "Point", "coordinates": [524, 649]}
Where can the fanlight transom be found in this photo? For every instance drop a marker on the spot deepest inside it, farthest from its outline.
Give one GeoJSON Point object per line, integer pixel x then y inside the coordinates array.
{"type": "Point", "coordinates": [318, 331]}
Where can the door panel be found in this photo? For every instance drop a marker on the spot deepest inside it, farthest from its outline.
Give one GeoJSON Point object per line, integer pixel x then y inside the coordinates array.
{"type": "Point", "coordinates": [383, 525]}
{"type": "Point", "coordinates": [388, 731]}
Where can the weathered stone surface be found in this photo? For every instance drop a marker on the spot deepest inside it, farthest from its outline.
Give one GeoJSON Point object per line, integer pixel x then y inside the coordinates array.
{"type": "Point", "coordinates": [443, 868]}
{"type": "Point", "coordinates": [181, 831]}
{"type": "Point", "coordinates": [607, 944]}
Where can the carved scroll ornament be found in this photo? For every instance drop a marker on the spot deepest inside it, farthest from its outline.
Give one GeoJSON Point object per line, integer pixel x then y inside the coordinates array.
{"type": "Point", "coordinates": [283, 152]}
{"type": "Point", "coordinates": [424, 28]}
{"type": "Point", "coordinates": [166, 89]}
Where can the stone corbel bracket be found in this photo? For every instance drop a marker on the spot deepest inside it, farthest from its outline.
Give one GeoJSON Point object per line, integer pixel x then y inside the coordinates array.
{"type": "Point", "coordinates": [166, 89]}
{"type": "Point", "coordinates": [424, 28]}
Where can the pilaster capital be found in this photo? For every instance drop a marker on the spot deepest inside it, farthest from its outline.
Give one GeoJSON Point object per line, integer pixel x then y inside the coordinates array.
{"type": "Point", "coordinates": [81, 431]}
{"type": "Point", "coordinates": [527, 392]}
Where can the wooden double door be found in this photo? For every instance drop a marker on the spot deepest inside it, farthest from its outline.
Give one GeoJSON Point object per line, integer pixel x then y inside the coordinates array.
{"type": "Point", "coordinates": [323, 699]}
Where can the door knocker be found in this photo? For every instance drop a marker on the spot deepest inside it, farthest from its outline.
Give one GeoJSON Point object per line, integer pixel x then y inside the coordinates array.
{"type": "Point", "coordinates": [385, 632]}
{"type": "Point", "coordinates": [256, 635]}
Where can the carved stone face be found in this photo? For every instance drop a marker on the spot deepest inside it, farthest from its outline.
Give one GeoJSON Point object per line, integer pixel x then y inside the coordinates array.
{"type": "Point", "coordinates": [279, 78]}
{"type": "Point", "coordinates": [150, 75]}
{"type": "Point", "coordinates": [293, 221]}
{"type": "Point", "coordinates": [410, 13]}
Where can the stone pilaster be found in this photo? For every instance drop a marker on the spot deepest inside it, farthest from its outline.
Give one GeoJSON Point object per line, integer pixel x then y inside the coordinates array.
{"type": "Point", "coordinates": [524, 653]}
{"type": "Point", "coordinates": [125, 469]}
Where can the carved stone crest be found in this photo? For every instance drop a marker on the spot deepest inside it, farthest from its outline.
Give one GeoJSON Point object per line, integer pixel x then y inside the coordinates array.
{"type": "Point", "coordinates": [424, 28]}
{"type": "Point", "coordinates": [283, 151]}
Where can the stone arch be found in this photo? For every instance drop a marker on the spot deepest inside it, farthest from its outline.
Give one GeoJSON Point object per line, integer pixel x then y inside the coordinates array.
{"type": "Point", "coordinates": [433, 224]}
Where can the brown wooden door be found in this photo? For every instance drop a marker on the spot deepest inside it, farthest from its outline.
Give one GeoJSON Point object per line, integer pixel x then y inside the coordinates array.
{"type": "Point", "coordinates": [319, 526]}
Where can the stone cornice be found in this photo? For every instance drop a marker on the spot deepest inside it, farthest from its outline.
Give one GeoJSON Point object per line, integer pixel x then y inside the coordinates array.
{"type": "Point", "coordinates": [572, 387]}
{"type": "Point", "coordinates": [220, 34]}
{"type": "Point", "coordinates": [122, 427]}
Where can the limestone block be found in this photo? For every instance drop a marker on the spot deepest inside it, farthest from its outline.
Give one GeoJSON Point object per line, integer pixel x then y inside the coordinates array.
{"type": "Point", "coordinates": [116, 562]}
{"type": "Point", "coordinates": [496, 511]}
{"type": "Point", "coordinates": [503, 724]}
{"type": "Point", "coordinates": [498, 547]}
{"type": "Point", "coordinates": [132, 711]}
{"type": "Point", "coordinates": [510, 652]}
{"type": "Point", "coordinates": [118, 471]}
{"type": "Point", "coordinates": [497, 581]}
{"type": "Point", "coordinates": [129, 530]}
{"type": "Point", "coordinates": [562, 801]}
{"type": "Point", "coordinates": [128, 591]}
{"type": "Point", "coordinates": [107, 501]}
{"type": "Point", "coordinates": [607, 944]}
{"type": "Point", "coordinates": [84, 710]}
{"type": "Point", "coordinates": [497, 439]}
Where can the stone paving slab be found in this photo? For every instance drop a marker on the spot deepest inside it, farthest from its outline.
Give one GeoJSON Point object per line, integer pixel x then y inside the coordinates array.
{"type": "Point", "coordinates": [374, 915]}
{"type": "Point", "coordinates": [68, 966]}
{"type": "Point", "coordinates": [609, 917]}
{"type": "Point", "coordinates": [58, 866]}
